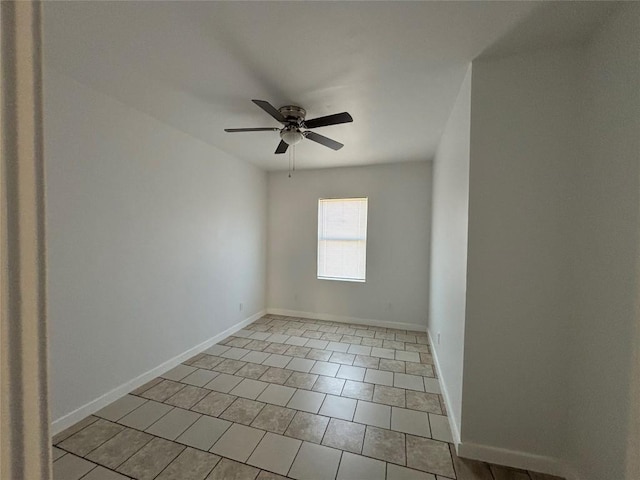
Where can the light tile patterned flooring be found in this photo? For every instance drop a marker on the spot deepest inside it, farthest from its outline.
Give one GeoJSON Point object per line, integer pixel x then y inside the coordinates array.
{"type": "Point", "coordinates": [284, 398]}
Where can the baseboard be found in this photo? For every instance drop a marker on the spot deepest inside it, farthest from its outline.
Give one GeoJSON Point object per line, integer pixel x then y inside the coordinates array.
{"type": "Point", "coordinates": [500, 456]}
{"type": "Point", "coordinates": [343, 319]}
{"type": "Point", "coordinates": [455, 429]}
{"type": "Point", "coordinates": [93, 406]}
{"type": "Point", "coordinates": [513, 458]}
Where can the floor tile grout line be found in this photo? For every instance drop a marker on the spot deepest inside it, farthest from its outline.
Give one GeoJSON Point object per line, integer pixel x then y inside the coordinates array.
{"type": "Point", "coordinates": [315, 361]}
{"type": "Point", "coordinates": [89, 417]}
{"type": "Point", "coordinates": [67, 452]}
{"type": "Point", "coordinates": [453, 464]}
{"type": "Point", "coordinates": [184, 385]}
{"type": "Point", "coordinates": [294, 458]}
{"type": "Point", "coordinates": [184, 445]}
{"type": "Point", "coordinates": [146, 400]}
{"type": "Point", "coordinates": [323, 400]}
{"type": "Point", "coordinates": [142, 431]}
{"type": "Point", "coordinates": [292, 462]}
{"type": "Point", "coordinates": [169, 464]}
{"type": "Point", "coordinates": [288, 424]}
{"type": "Point", "coordinates": [121, 463]}
{"type": "Point", "coordinates": [229, 406]}
{"type": "Point", "coordinates": [339, 464]}
{"type": "Point", "coordinates": [324, 434]}
{"type": "Point", "coordinates": [92, 450]}
{"type": "Point", "coordinates": [160, 417]}
{"type": "Point", "coordinates": [286, 405]}
{"type": "Point", "coordinates": [346, 342]}
{"type": "Point", "coordinates": [371, 401]}
{"type": "Point", "coordinates": [187, 428]}
{"type": "Point", "coordinates": [172, 460]}
{"type": "Point", "coordinates": [406, 449]}
{"type": "Point", "coordinates": [254, 448]}
{"type": "Point", "coordinates": [85, 475]}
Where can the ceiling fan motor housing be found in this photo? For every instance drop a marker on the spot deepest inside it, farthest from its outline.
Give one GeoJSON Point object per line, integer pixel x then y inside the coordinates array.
{"type": "Point", "coordinates": [293, 113]}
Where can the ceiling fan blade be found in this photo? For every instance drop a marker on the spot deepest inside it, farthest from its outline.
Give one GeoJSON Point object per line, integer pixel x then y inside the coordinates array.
{"type": "Point", "coordinates": [270, 109]}
{"type": "Point", "coordinates": [321, 139]}
{"type": "Point", "coordinates": [334, 119]}
{"type": "Point", "coordinates": [282, 147]}
{"type": "Point", "coordinates": [235, 130]}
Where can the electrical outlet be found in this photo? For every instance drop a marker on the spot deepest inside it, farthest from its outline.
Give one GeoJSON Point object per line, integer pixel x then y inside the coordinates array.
{"type": "Point", "coordinates": [438, 340]}
{"type": "Point", "coordinates": [240, 306]}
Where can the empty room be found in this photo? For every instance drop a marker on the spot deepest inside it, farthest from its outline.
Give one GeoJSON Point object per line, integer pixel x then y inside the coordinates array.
{"type": "Point", "coordinates": [369, 240]}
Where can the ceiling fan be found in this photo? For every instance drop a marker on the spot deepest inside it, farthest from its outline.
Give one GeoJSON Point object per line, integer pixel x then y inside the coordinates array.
{"type": "Point", "coordinates": [292, 117]}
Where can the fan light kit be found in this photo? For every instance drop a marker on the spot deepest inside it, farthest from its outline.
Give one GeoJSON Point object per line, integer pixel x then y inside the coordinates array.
{"type": "Point", "coordinates": [291, 136]}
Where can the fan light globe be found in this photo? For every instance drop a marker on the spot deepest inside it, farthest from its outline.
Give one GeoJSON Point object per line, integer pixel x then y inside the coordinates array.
{"type": "Point", "coordinates": [291, 137]}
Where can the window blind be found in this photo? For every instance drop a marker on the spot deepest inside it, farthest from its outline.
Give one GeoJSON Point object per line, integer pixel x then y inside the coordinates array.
{"type": "Point", "coordinates": [342, 239]}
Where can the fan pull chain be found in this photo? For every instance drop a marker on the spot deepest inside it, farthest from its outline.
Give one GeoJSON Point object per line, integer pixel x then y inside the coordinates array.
{"type": "Point", "coordinates": [292, 159]}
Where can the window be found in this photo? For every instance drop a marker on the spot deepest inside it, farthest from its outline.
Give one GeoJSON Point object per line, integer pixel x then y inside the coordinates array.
{"type": "Point", "coordinates": [342, 239]}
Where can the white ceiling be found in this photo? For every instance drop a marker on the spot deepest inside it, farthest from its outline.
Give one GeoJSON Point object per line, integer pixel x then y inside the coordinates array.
{"type": "Point", "coordinates": [395, 66]}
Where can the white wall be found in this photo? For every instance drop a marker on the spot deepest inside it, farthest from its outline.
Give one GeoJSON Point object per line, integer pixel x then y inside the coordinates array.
{"type": "Point", "coordinates": [397, 283]}
{"type": "Point", "coordinates": [449, 250]}
{"type": "Point", "coordinates": [607, 254]}
{"type": "Point", "coordinates": [154, 238]}
{"type": "Point", "coordinates": [519, 299]}
{"type": "Point", "coordinates": [551, 334]}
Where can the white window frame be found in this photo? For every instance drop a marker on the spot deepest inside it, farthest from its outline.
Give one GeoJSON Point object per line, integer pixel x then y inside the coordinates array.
{"type": "Point", "coordinates": [362, 237]}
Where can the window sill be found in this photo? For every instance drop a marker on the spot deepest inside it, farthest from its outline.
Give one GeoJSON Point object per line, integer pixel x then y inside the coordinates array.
{"type": "Point", "coordinates": [338, 279]}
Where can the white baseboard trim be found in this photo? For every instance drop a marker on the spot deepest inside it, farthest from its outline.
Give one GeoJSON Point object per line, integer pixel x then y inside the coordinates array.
{"type": "Point", "coordinates": [93, 406]}
{"type": "Point", "coordinates": [343, 319]}
{"type": "Point", "coordinates": [455, 429]}
{"type": "Point", "coordinates": [500, 456]}
{"type": "Point", "coordinates": [512, 458]}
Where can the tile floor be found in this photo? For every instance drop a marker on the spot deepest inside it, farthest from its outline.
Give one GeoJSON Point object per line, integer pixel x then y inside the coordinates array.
{"type": "Point", "coordinates": [283, 398]}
